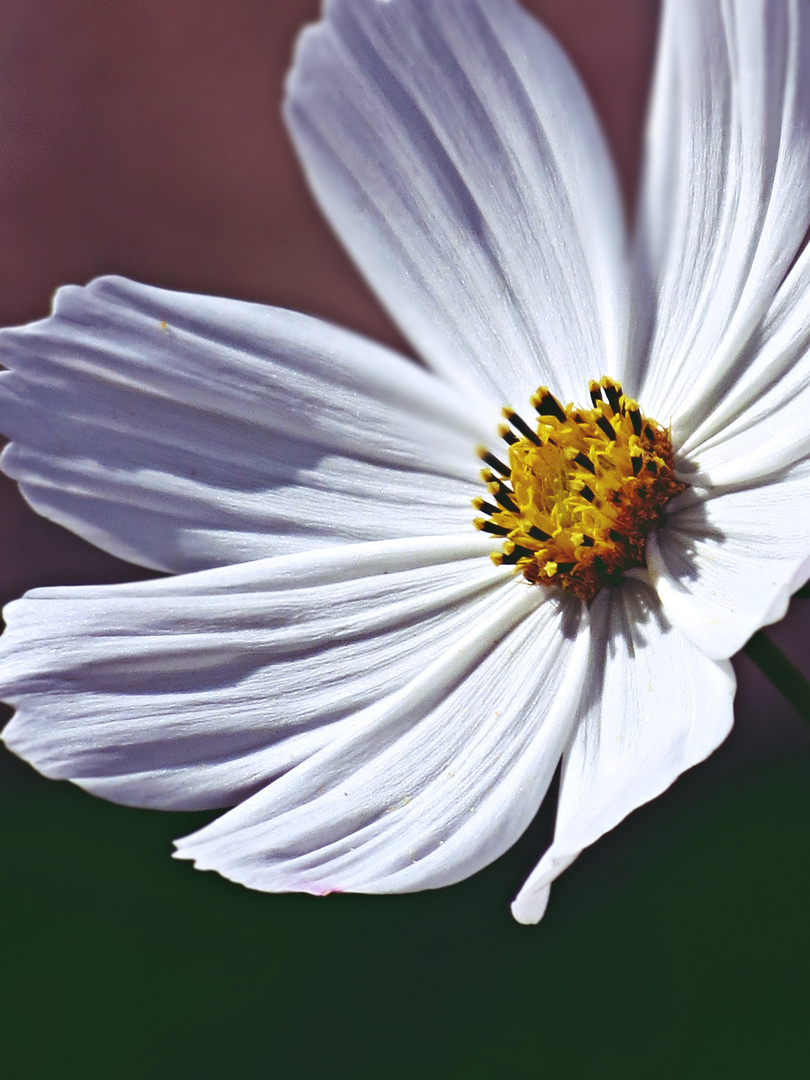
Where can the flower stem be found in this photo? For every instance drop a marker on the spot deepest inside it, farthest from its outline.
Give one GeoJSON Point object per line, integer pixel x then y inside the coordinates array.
{"type": "Point", "coordinates": [787, 678]}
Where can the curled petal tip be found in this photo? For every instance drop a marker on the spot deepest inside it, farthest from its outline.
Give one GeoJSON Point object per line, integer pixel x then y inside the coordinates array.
{"type": "Point", "coordinates": [529, 906]}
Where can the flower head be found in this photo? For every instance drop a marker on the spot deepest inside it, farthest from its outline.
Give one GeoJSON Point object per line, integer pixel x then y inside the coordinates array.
{"type": "Point", "coordinates": [586, 489]}
{"type": "Point", "coordinates": [379, 678]}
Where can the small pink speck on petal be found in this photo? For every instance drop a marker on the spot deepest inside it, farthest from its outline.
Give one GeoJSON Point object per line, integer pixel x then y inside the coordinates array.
{"type": "Point", "coordinates": [315, 890]}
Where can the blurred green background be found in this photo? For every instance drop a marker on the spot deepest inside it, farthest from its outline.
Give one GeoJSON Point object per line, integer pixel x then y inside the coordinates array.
{"type": "Point", "coordinates": [678, 947]}
{"type": "Point", "coordinates": [143, 138]}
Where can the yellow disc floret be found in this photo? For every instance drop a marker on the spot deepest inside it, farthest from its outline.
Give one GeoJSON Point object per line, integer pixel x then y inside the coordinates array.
{"type": "Point", "coordinates": [581, 492]}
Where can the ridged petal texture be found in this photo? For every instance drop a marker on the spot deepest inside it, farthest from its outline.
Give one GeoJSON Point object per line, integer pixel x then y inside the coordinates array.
{"type": "Point", "coordinates": [454, 151]}
{"type": "Point", "coordinates": [406, 772]}
{"type": "Point", "coordinates": [183, 432]}
{"type": "Point", "coordinates": [726, 356]}
{"type": "Point", "coordinates": [726, 195]}
{"type": "Point", "coordinates": [725, 566]}
{"type": "Point", "coordinates": [339, 660]}
{"type": "Point", "coordinates": [654, 705]}
{"type": "Point", "coordinates": [429, 785]}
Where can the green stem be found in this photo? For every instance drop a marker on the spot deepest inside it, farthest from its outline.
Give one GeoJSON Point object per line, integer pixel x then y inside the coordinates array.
{"type": "Point", "coordinates": [787, 678]}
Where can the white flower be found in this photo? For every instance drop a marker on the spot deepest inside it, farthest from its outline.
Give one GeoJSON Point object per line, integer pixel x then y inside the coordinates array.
{"type": "Point", "coordinates": [338, 659]}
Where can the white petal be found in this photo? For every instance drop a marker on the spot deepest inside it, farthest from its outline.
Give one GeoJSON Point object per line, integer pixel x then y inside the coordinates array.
{"type": "Point", "coordinates": [184, 432]}
{"type": "Point", "coordinates": [726, 565]}
{"type": "Point", "coordinates": [658, 706]}
{"type": "Point", "coordinates": [453, 149]}
{"type": "Point", "coordinates": [430, 784]}
{"type": "Point", "coordinates": [726, 197]}
{"type": "Point", "coordinates": [761, 425]}
{"type": "Point", "coordinates": [194, 691]}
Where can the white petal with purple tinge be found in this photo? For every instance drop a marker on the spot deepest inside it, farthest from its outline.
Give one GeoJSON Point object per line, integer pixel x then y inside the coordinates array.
{"type": "Point", "coordinates": [473, 188]}
{"type": "Point", "coordinates": [430, 783]}
{"type": "Point", "coordinates": [727, 565]}
{"type": "Point", "coordinates": [726, 194]}
{"type": "Point", "coordinates": [195, 691]}
{"type": "Point", "coordinates": [654, 706]}
{"type": "Point", "coordinates": [183, 432]}
{"type": "Point", "coordinates": [760, 426]}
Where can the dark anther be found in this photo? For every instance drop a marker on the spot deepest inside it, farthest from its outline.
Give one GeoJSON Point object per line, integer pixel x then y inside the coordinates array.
{"type": "Point", "coordinates": [652, 467]}
{"type": "Point", "coordinates": [636, 463]}
{"type": "Point", "coordinates": [612, 395]}
{"type": "Point", "coordinates": [538, 534]}
{"type": "Point", "coordinates": [587, 541]}
{"type": "Point", "coordinates": [615, 536]}
{"type": "Point", "coordinates": [565, 567]}
{"type": "Point", "coordinates": [522, 552]}
{"type": "Point", "coordinates": [495, 464]}
{"type": "Point", "coordinates": [520, 425]}
{"type": "Point", "coordinates": [488, 508]}
{"type": "Point", "coordinates": [648, 431]}
{"type": "Point", "coordinates": [549, 406]}
{"type": "Point", "coordinates": [518, 553]}
{"type": "Point", "coordinates": [635, 420]}
{"type": "Point", "coordinates": [586, 493]}
{"type": "Point", "coordinates": [582, 460]}
{"type": "Point", "coordinates": [596, 393]}
{"type": "Point", "coordinates": [510, 438]}
{"type": "Point", "coordinates": [607, 427]}
{"type": "Point", "coordinates": [503, 499]}
{"type": "Point", "coordinates": [496, 530]}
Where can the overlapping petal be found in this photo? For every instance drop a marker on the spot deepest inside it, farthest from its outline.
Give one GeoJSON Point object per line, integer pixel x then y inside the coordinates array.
{"type": "Point", "coordinates": [387, 715]}
{"type": "Point", "coordinates": [194, 691]}
{"type": "Point", "coordinates": [453, 149]}
{"type": "Point", "coordinates": [726, 195]}
{"type": "Point", "coordinates": [431, 783]}
{"type": "Point", "coordinates": [760, 427]}
{"type": "Point", "coordinates": [655, 705]}
{"type": "Point", "coordinates": [183, 432]}
{"type": "Point", "coordinates": [727, 564]}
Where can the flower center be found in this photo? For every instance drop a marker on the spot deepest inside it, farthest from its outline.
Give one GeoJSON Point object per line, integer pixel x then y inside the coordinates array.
{"type": "Point", "coordinates": [580, 494]}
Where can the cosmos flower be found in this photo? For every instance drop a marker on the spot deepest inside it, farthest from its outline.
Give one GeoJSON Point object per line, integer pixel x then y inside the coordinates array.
{"type": "Point", "coordinates": [377, 678]}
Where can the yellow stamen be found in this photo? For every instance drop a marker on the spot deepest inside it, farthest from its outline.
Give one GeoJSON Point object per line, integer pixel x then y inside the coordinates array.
{"type": "Point", "coordinates": [579, 495]}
